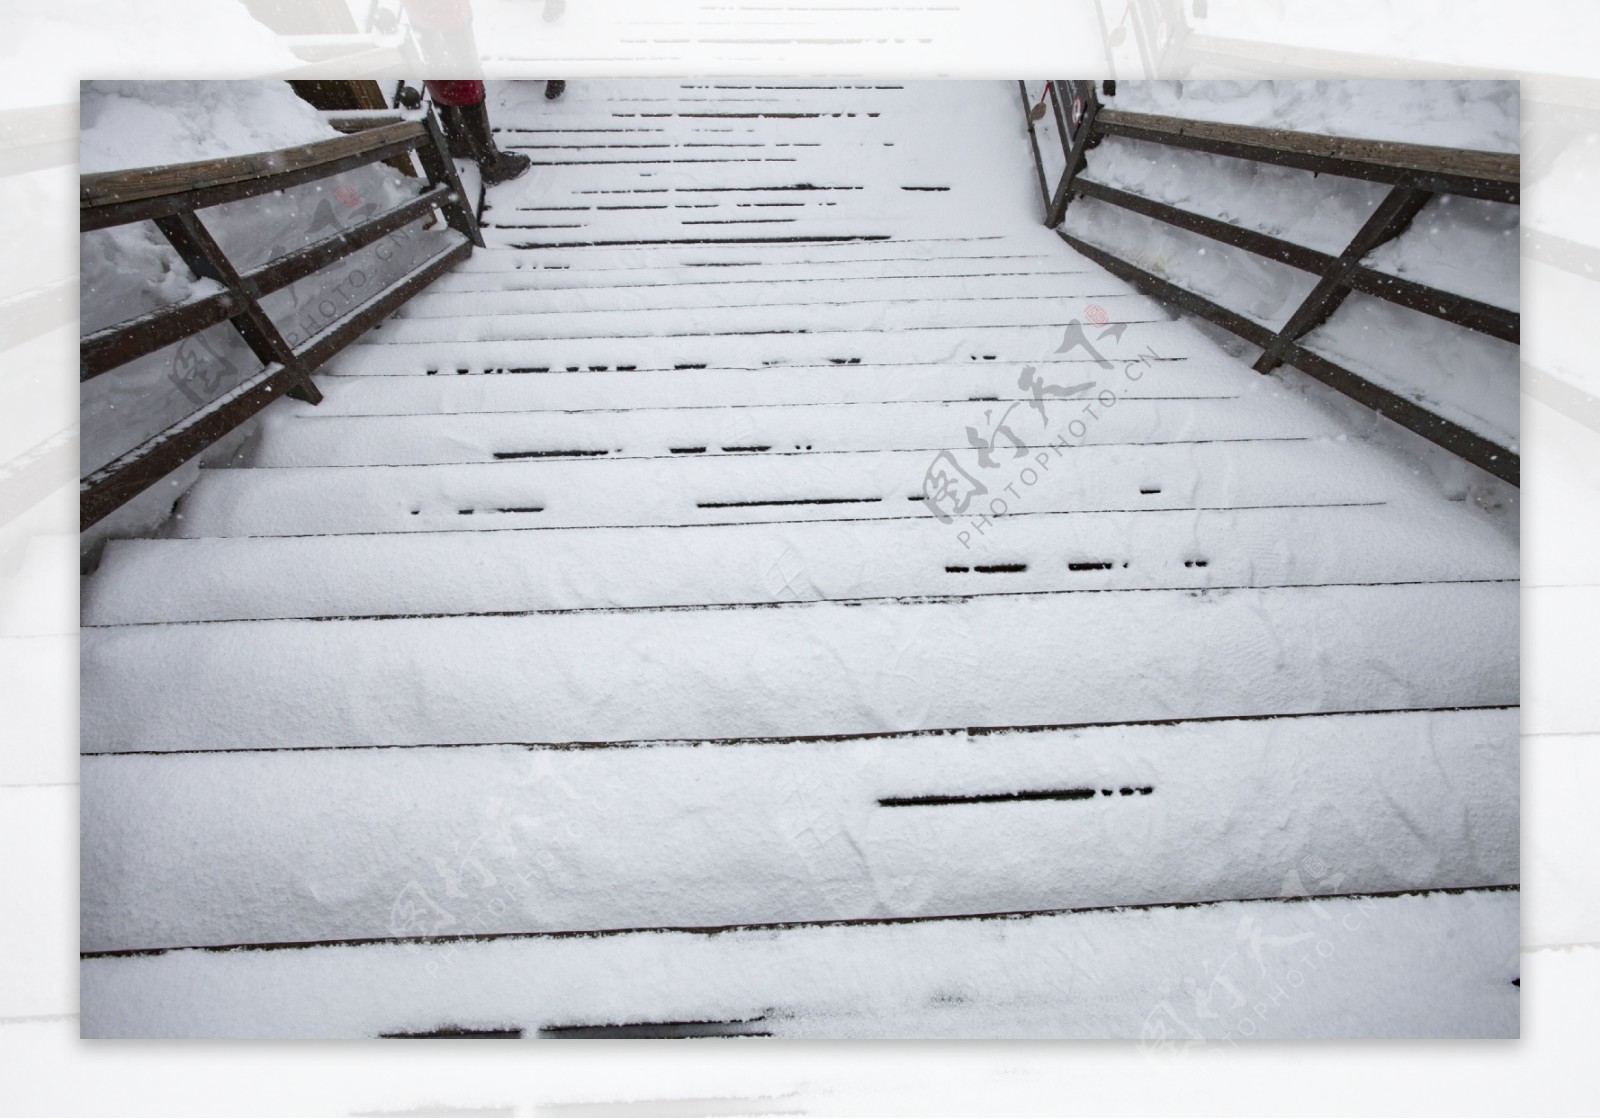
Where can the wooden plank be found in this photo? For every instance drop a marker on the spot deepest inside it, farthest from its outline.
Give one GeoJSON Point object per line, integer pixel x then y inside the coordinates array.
{"type": "Point", "coordinates": [134, 338]}
{"type": "Point", "coordinates": [347, 122]}
{"type": "Point", "coordinates": [1477, 174]}
{"type": "Point", "coordinates": [118, 197]}
{"type": "Point", "coordinates": [1170, 293]}
{"type": "Point", "coordinates": [115, 483]}
{"type": "Point", "coordinates": [1482, 453]}
{"type": "Point", "coordinates": [1486, 318]}
{"type": "Point", "coordinates": [125, 478]}
{"type": "Point", "coordinates": [297, 265]}
{"type": "Point", "coordinates": [1262, 244]}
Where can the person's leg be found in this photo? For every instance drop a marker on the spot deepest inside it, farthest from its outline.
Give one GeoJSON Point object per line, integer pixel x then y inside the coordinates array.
{"type": "Point", "coordinates": [455, 132]}
{"type": "Point", "coordinates": [464, 114]}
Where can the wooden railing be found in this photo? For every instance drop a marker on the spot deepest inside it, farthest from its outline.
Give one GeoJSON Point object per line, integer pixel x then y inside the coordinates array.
{"type": "Point", "coordinates": [170, 197]}
{"type": "Point", "coordinates": [1075, 120]}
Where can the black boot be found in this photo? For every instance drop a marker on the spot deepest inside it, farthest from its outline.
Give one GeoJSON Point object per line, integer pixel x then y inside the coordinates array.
{"type": "Point", "coordinates": [456, 135]}
{"type": "Point", "coordinates": [497, 166]}
{"type": "Point", "coordinates": [554, 89]}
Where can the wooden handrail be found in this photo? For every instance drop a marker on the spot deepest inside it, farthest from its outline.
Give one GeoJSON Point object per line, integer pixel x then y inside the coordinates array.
{"type": "Point", "coordinates": [1492, 175]}
{"type": "Point", "coordinates": [110, 187]}
{"type": "Point", "coordinates": [1414, 172]}
{"type": "Point", "coordinates": [170, 196]}
{"type": "Point", "coordinates": [1499, 167]}
{"type": "Point", "coordinates": [118, 197]}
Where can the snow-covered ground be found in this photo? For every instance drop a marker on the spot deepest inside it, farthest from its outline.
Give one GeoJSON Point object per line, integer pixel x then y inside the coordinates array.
{"type": "Point", "coordinates": [601, 607]}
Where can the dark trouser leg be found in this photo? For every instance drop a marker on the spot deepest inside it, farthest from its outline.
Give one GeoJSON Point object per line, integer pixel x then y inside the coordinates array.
{"type": "Point", "coordinates": [456, 133]}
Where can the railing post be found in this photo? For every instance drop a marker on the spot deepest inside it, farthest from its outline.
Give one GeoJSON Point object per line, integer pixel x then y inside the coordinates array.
{"type": "Point", "coordinates": [1077, 131]}
{"type": "Point", "coordinates": [441, 168]}
{"type": "Point", "coordinates": [205, 257]}
{"type": "Point", "coordinates": [1033, 139]}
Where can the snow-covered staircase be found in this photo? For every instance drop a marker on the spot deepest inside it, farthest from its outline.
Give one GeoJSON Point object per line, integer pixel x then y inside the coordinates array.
{"type": "Point", "coordinates": [600, 596]}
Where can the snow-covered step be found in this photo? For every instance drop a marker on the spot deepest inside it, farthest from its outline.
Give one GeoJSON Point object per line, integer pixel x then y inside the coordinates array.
{"type": "Point", "coordinates": [676, 227]}
{"type": "Point", "coordinates": [466, 572]}
{"type": "Point", "coordinates": [307, 441]}
{"type": "Point", "coordinates": [556, 390]}
{"type": "Point", "coordinates": [827, 669]}
{"type": "Point", "coordinates": [505, 269]}
{"type": "Point", "coordinates": [938, 248]}
{"type": "Point", "coordinates": [800, 297]}
{"type": "Point", "coordinates": [1218, 647]}
{"type": "Point", "coordinates": [328, 846]}
{"type": "Point", "coordinates": [956, 340]}
{"type": "Point", "coordinates": [1131, 974]}
{"type": "Point", "coordinates": [749, 316]}
{"type": "Point", "coordinates": [750, 487]}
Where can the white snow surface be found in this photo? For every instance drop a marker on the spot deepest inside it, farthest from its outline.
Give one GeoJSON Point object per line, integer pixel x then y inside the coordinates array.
{"type": "Point", "coordinates": [1173, 979]}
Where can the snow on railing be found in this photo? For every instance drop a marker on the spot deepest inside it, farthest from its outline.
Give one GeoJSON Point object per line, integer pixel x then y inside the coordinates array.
{"type": "Point", "coordinates": [1067, 118]}
{"type": "Point", "coordinates": [170, 196]}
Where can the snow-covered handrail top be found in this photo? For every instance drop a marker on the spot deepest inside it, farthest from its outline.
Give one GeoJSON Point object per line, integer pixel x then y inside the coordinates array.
{"type": "Point", "coordinates": [142, 183]}
{"type": "Point", "coordinates": [1492, 167]}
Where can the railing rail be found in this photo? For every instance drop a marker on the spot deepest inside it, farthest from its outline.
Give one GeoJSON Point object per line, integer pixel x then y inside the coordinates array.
{"type": "Point", "coordinates": [170, 196]}
{"type": "Point", "coordinates": [1414, 172]}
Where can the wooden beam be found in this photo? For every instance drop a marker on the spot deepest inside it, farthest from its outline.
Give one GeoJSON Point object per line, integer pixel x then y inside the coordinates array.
{"type": "Point", "coordinates": [440, 168]}
{"type": "Point", "coordinates": [1386, 222]}
{"type": "Point", "coordinates": [118, 197]}
{"type": "Point", "coordinates": [127, 341]}
{"type": "Point", "coordinates": [1459, 309]}
{"type": "Point", "coordinates": [205, 257]}
{"type": "Point", "coordinates": [1483, 453]}
{"type": "Point", "coordinates": [1077, 141]}
{"type": "Point", "coordinates": [286, 269]}
{"type": "Point", "coordinates": [115, 483]}
{"type": "Point", "coordinates": [1033, 139]}
{"type": "Point", "coordinates": [1477, 174]}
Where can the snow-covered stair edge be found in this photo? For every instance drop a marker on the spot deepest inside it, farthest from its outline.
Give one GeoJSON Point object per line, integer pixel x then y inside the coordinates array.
{"type": "Point", "coordinates": [1430, 965]}
{"type": "Point", "coordinates": [625, 676]}
{"type": "Point", "coordinates": [312, 846]}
